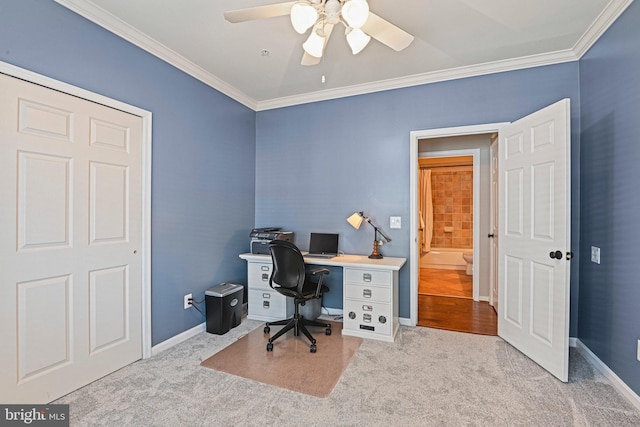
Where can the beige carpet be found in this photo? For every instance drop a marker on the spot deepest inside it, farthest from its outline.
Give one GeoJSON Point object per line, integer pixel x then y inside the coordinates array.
{"type": "Point", "coordinates": [290, 365]}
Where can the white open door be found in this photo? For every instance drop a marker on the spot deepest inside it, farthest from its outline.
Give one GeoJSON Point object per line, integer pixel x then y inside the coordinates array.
{"type": "Point", "coordinates": [534, 236]}
{"type": "Point", "coordinates": [70, 240]}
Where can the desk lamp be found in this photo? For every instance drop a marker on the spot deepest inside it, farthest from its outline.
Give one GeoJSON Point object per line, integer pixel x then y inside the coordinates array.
{"type": "Point", "coordinates": [356, 221]}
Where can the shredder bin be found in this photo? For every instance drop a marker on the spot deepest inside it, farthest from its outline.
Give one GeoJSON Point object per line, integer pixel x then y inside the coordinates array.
{"type": "Point", "coordinates": [223, 304]}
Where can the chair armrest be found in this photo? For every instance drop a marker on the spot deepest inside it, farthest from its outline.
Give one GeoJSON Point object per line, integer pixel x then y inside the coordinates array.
{"type": "Point", "coordinates": [319, 272]}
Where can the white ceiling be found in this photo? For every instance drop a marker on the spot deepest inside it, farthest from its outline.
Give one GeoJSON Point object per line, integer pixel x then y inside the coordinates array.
{"type": "Point", "coordinates": [453, 39]}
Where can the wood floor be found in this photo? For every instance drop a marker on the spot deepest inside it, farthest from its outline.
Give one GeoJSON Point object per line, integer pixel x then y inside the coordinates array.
{"type": "Point", "coordinates": [445, 301]}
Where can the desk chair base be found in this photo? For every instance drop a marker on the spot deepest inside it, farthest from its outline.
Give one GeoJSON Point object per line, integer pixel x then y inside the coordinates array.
{"type": "Point", "coordinates": [297, 323]}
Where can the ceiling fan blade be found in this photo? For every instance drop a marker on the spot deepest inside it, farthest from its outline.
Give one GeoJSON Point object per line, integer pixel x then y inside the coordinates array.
{"type": "Point", "coordinates": [260, 12]}
{"type": "Point", "coordinates": [307, 59]}
{"type": "Point", "coordinates": [387, 33]}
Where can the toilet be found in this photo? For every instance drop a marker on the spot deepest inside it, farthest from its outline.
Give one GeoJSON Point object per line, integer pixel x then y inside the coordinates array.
{"type": "Point", "coordinates": [468, 258]}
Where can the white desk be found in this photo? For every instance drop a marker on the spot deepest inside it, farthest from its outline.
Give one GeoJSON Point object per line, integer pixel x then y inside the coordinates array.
{"type": "Point", "coordinates": [370, 293]}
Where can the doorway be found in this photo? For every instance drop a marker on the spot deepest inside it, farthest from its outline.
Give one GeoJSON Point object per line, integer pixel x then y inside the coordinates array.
{"type": "Point", "coordinates": [473, 141]}
{"type": "Point", "coordinates": [533, 210]}
{"type": "Point", "coordinates": [453, 205]}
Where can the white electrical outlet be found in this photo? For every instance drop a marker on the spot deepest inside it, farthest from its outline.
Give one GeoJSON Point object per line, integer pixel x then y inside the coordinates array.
{"type": "Point", "coordinates": [187, 303]}
{"type": "Point", "coordinates": [395, 222]}
{"type": "Point", "coordinates": [595, 254]}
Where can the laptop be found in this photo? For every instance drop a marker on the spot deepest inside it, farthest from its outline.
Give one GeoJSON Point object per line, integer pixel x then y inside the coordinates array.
{"type": "Point", "coordinates": [323, 245]}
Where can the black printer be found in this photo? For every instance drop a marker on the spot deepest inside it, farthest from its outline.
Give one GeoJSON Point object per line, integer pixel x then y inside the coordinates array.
{"type": "Point", "coordinates": [260, 238]}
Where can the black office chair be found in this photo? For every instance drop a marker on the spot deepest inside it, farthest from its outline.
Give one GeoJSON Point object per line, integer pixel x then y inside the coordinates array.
{"type": "Point", "coordinates": [289, 278]}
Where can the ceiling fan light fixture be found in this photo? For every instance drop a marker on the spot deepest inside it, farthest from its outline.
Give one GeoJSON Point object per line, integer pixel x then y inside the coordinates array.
{"type": "Point", "coordinates": [357, 40]}
{"type": "Point", "coordinates": [303, 16]}
{"type": "Point", "coordinates": [355, 12]}
{"type": "Point", "coordinates": [314, 44]}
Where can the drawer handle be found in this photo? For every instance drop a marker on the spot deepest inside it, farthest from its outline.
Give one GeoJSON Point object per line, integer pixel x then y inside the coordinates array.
{"type": "Point", "coordinates": [265, 277]}
{"type": "Point", "coordinates": [265, 304]}
{"type": "Point", "coordinates": [366, 293]}
{"type": "Point", "coordinates": [366, 318]}
{"type": "Point", "coordinates": [366, 277]}
{"type": "Point", "coordinates": [264, 267]}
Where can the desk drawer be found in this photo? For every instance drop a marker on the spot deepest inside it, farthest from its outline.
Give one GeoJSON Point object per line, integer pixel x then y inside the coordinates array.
{"type": "Point", "coordinates": [366, 293]}
{"type": "Point", "coordinates": [357, 275]}
{"type": "Point", "coordinates": [258, 275]}
{"type": "Point", "coordinates": [269, 305]}
{"type": "Point", "coordinates": [365, 317]}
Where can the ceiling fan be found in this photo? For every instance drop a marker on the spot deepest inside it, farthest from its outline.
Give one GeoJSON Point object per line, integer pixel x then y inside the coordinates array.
{"type": "Point", "coordinates": [322, 15]}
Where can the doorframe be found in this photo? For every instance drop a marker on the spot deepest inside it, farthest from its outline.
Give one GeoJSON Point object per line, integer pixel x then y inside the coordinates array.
{"type": "Point", "coordinates": [146, 116]}
{"type": "Point", "coordinates": [493, 222]}
{"type": "Point", "coordinates": [414, 256]}
{"type": "Point", "coordinates": [475, 153]}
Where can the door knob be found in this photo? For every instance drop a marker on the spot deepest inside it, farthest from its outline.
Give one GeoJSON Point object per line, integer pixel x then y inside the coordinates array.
{"type": "Point", "coordinates": [555, 254]}
{"type": "Point", "coordinates": [491, 236]}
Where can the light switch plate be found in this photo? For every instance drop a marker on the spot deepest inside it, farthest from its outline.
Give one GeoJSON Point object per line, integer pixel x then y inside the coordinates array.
{"type": "Point", "coordinates": [595, 254]}
{"type": "Point", "coordinates": [395, 222]}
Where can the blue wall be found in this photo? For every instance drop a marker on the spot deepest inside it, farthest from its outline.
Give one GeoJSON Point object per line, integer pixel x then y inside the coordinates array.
{"type": "Point", "coordinates": [609, 316]}
{"type": "Point", "coordinates": [203, 181]}
{"type": "Point", "coordinates": [318, 163]}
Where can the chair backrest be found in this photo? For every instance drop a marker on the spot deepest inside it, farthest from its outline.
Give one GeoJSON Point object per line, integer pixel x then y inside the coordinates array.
{"type": "Point", "coordinates": [288, 265]}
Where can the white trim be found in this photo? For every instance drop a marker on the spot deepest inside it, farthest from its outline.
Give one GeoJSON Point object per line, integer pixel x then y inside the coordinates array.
{"type": "Point", "coordinates": [405, 322]}
{"type": "Point", "coordinates": [602, 23]}
{"type": "Point", "coordinates": [475, 153]}
{"type": "Point", "coordinates": [177, 339]}
{"type": "Point", "coordinates": [618, 384]}
{"type": "Point", "coordinates": [327, 311]}
{"type": "Point", "coordinates": [115, 25]}
{"type": "Point", "coordinates": [414, 138]}
{"type": "Point", "coordinates": [106, 20]}
{"type": "Point", "coordinates": [146, 117]}
{"type": "Point", "coordinates": [493, 67]}
{"type": "Point", "coordinates": [147, 140]}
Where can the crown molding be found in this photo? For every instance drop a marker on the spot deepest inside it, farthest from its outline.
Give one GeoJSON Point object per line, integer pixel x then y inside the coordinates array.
{"type": "Point", "coordinates": [101, 17]}
{"type": "Point", "coordinates": [423, 78]}
{"type": "Point", "coordinates": [602, 23]}
{"type": "Point", "coordinates": [115, 25]}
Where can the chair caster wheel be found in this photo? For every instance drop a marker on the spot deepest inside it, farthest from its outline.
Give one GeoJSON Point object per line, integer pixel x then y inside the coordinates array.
{"type": "Point", "coordinates": [267, 329]}
{"type": "Point", "coordinates": [313, 348]}
{"type": "Point", "coordinates": [270, 346]}
{"type": "Point", "coordinates": [313, 342]}
{"type": "Point", "coordinates": [327, 331]}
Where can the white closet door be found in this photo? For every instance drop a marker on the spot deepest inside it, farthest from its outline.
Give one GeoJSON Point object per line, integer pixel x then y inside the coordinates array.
{"type": "Point", "coordinates": [70, 238]}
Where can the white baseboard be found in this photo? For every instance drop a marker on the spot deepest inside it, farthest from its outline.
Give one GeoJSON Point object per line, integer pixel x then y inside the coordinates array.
{"type": "Point", "coordinates": [404, 321]}
{"type": "Point", "coordinates": [619, 385]}
{"type": "Point", "coordinates": [332, 311]}
{"type": "Point", "coordinates": [175, 340]}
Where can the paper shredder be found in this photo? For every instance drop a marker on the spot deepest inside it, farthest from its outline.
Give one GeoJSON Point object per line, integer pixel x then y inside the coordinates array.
{"type": "Point", "coordinates": [223, 304]}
